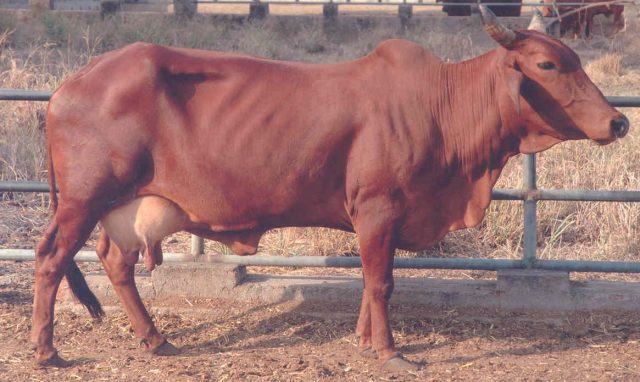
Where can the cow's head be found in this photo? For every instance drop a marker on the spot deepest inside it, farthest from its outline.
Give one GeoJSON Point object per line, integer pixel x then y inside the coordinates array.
{"type": "Point", "coordinates": [549, 96]}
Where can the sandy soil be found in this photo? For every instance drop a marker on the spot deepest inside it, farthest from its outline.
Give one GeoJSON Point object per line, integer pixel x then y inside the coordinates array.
{"type": "Point", "coordinates": [229, 340]}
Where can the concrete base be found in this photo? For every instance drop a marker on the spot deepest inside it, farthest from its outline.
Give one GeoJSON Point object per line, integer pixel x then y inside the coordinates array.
{"type": "Point", "coordinates": [515, 290]}
{"type": "Point", "coordinates": [196, 279]}
{"type": "Point", "coordinates": [519, 289]}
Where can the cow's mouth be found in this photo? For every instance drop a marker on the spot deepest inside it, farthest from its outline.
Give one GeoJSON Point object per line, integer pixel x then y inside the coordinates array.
{"type": "Point", "coordinates": [603, 142]}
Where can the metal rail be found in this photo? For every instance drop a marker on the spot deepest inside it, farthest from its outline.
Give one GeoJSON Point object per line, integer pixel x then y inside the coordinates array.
{"type": "Point", "coordinates": [24, 95]}
{"type": "Point", "coordinates": [27, 186]}
{"type": "Point", "coordinates": [530, 194]}
{"type": "Point", "coordinates": [355, 262]}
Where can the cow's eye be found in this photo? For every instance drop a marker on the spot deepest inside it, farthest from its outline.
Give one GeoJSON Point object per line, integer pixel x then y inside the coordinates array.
{"type": "Point", "coordinates": [546, 65]}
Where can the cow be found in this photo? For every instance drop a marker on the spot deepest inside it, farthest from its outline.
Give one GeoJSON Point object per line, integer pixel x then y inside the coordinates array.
{"type": "Point", "coordinates": [578, 21]}
{"type": "Point", "coordinates": [397, 146]}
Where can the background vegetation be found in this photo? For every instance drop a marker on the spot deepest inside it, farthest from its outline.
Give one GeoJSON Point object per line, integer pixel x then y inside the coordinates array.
{"type": "Point", "coordinates": [39, 52]}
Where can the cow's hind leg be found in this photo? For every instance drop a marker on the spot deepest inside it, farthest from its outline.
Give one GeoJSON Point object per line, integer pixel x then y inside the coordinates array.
{"type": "Point", "coordinates": [120, 270]}
{"type": "Point", "coordinates": [363, 329]}
{"type": "Point", "coordinates": [70, 227]}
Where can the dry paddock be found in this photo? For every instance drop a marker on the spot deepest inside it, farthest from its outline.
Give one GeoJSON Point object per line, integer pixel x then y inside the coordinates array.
{"type": "Point", "coordinates": [224, 340]}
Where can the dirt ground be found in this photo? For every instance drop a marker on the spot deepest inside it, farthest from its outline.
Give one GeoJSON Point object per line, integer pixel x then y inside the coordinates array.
{"type": "Point", "coordinates": [229, 341]}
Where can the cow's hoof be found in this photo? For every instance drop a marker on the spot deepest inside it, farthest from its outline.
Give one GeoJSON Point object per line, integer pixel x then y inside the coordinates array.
{"type": "Point", "coordinates": [165, 349]}
{"type": "Point", "coordinates": [398, 364]}
{"type": "Point", "coordinates": [54, 361]}
{"type": "Point", "coordinates": [369, 353]}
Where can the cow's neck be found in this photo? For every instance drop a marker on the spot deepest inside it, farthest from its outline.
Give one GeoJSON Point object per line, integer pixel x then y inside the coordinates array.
{"type": "Point", "coordinates": [476, 144]}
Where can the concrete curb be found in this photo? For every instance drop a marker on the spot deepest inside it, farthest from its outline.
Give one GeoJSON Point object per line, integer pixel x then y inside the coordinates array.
{"type": "Point", "coordinates": [514, 290]}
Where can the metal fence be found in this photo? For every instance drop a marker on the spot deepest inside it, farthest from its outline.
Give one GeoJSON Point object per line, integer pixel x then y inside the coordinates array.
{"type": "Point", "coordinates": [94, 5]}
{"type": "Point", "coordinates": [529, 194]}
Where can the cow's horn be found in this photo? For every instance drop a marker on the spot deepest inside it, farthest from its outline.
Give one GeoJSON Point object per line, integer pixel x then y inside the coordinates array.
{"type": "Point", "coordinates": [503, 35]}
{"type": "Point", "coordinates": [537, 22]}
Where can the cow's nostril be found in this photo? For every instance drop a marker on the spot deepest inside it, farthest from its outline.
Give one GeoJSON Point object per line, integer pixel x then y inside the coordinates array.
{"type": "Point", "coordinates": [620, 126]}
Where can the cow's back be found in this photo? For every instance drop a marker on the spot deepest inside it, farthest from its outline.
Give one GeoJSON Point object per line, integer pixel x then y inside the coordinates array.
{"type": "Point", "coordinates": [237, 142]}
{"type": "Point", "coordinates": [245, 144]}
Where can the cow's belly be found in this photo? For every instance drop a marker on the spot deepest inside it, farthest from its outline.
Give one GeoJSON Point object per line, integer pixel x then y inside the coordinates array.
{"type": "Point", "coordinates": [140, 225]}
{"type": "Point", "coordinates": [253, 202]}
{"type": "Point", "coordinates": [423, 229]}
{"type": "Point", "coordinates": [429, 217]}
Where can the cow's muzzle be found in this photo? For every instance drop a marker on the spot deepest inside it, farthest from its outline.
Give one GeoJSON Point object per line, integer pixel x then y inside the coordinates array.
{"type": "Point", "coordinates": [619, 126]}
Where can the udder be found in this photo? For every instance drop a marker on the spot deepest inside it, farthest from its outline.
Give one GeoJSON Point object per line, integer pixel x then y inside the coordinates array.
{"type": "Point", "coordinates": [140, 225]}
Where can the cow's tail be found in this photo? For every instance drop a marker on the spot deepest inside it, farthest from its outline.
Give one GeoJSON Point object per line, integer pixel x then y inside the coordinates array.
{"type": "Point", "coordinates": [80, 289]}
{"type": "Point", "coordinates": [53, 195]}
{"type": "Point", "coordinates": [75, 278]}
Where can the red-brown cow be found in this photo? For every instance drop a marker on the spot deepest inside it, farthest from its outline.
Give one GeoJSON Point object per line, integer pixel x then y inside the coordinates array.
{"type": "Point", "coordinates": [580, 23]}
{"type": "Point", "coordinates": [398, 147]}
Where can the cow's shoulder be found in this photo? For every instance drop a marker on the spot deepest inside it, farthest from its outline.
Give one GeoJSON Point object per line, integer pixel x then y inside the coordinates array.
{"type": "Point", "coordinates": [120, 69]}
{"type": "Point", "coordinates": [403, 52]}
{"type": "Point", "coordinates": [113, 67]}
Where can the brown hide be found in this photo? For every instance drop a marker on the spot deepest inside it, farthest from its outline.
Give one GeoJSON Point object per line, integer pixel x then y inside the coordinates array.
{"type": "Point", "coordinates": [397, 146]}
{"type": "Point", "coordinates": [239, 146]}
{"type": "Point", "coordinates": [245, 144]}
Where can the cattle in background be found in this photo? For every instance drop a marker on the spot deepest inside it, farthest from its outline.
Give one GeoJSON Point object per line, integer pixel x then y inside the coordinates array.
{"type": "Point", "coordinates": [579, 23]}
{"type": "Point", "coordinates": [397, 146]}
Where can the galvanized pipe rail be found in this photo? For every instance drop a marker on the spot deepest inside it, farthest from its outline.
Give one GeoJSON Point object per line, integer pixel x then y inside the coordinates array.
{"type": "Point", "coordinates": [355, 262]}
{"type": "Point", "coordinates": [530, 195]}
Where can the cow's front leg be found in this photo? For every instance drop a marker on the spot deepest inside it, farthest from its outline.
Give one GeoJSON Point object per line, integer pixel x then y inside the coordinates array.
{"type": "Point", "coordinates": [376, 250]}
{"type": "Point", "coordinates": [121, 274]}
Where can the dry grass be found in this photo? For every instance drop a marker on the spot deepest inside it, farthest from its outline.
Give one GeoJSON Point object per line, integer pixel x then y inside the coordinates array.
{"type": "Point", "coordinates": [39, 53]}
{"type": "Point", "coordinates": [607, 67]}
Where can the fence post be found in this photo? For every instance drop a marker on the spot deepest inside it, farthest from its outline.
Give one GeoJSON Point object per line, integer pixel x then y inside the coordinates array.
{"type": "Point", "coordinates": [197, 246]}
{"type": "Point", "coordinates": [109, 7]}
{"type": "Point", "coordinates": [530, 227]}
{"type": "Point", "coordinates": [405, 11]}
{"type": "Point", "coordinates": [258, 10]}
{"type": "Point", "coordinates": [330, 11]}
{"type": "Point", "coordinates": [185, 8]}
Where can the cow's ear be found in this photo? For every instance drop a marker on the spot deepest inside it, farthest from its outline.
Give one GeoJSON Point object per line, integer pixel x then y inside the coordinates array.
{"type": "Point", "coordinates": [512, 78]}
